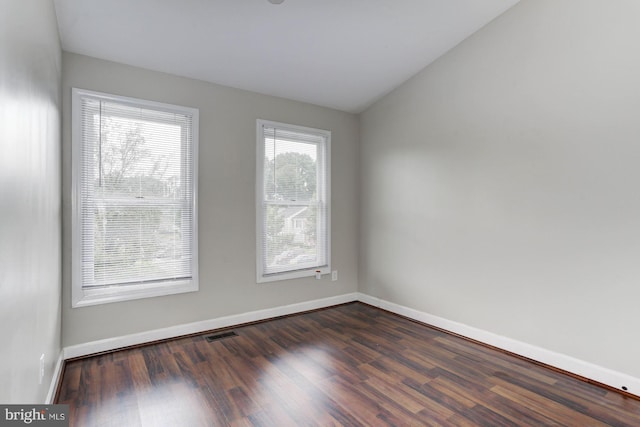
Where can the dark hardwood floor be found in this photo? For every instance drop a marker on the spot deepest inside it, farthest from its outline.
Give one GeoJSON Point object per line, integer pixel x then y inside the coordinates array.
{"type": "Point", "coordinates": [350, 365]}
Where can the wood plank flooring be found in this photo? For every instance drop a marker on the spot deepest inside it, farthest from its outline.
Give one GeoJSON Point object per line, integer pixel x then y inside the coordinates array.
{"type": "Point", "coordinates": [350, 365]}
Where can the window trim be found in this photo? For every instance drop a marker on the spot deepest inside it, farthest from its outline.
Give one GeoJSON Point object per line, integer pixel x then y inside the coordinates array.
{"type": "Point", "coordinates": [81, 296]}
{"type": "Point", "coordinates": [261, 277]}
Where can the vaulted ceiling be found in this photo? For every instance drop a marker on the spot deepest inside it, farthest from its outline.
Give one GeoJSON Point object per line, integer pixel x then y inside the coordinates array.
{"type": "Point", "coordinates": [343, 54]}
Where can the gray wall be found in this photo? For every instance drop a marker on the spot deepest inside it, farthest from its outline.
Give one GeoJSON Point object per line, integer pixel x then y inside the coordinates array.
{"type": "Point", "coordinates": [500, 186]}
{"type": "Point", "coordinates": [227, 202]}
{"type": "Point", "coordinates": [29, 198]}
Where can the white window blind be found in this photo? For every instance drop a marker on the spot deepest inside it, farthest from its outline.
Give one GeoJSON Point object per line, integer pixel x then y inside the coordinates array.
{"type": "Point", "coordinates": [292, 201]}
{"type": "Point", "coordinates": [135, 179]}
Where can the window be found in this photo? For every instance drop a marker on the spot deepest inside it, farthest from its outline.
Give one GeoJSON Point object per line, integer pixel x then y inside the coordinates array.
{"type": "Point", "coordinates": [293, 194]}
{"type": "Point", "coordinates": [134, 198]}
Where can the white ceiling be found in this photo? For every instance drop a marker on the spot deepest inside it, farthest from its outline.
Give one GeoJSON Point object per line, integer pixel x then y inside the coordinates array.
{"type": "Point", "coordinates": [343, 54]}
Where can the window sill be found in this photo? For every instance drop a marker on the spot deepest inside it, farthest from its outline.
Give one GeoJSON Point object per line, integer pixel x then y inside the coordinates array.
{"type": "Point", "coordinates": [296, 274]}
{"type": "Point", "coordinates": [89, 297]}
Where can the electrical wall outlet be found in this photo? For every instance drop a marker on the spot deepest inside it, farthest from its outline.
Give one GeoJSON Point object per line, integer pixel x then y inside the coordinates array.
{"type": "Point", "coordinates": [334, 275]}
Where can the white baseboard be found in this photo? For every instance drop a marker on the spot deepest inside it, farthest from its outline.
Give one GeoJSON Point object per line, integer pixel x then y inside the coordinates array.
{"type": "Point", "coordinates": [55, 379]}
{"type": "Point", "coordinates": [557, 360]}
{"type": "Point", "coordinates": [567, 363]}
{"type": "Point", "coordinates": [205, 325]}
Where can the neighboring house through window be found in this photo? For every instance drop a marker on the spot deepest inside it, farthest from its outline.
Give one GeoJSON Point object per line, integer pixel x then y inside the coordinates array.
{"type": "Point", "coordinates": [292, 201]}
{"type": "Point", "coordinates": [134, 198]}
